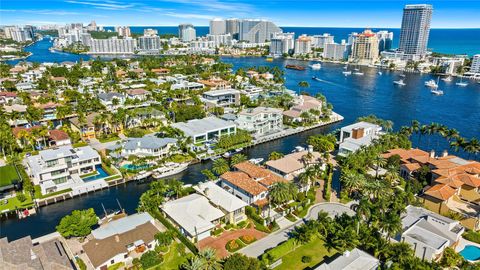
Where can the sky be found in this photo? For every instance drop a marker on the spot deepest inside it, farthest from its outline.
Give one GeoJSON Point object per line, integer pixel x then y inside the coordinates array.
{"type": "Point", "coordinates": [310, 13]}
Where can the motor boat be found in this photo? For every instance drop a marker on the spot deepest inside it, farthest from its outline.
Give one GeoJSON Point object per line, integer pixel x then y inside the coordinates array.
{"type": "Point", "coordinates": [256, 161]}
{"type": "Point", "coordinates": [399, 82]}
{"type": "Point", "coordinates": [380, 73]}
{"type": "Point", "coordinates": [431, 83]}
{"type": "Point", "coordinates": [169, 169]}
{"type": "Point", "coordinates": [346, 73]}
{"type": "Point", "coordinates": [316, 66]}
{"type": "Point", "coordinates": [461, 83]}
{"type": "Point", "coordinates": [436, 92]}
{"type": "Point", "coordinates": [358, 73]}
{"type": "Point", "coordinates": [447, 79]}
{"type": "Point", "coordinates": [316, 78]}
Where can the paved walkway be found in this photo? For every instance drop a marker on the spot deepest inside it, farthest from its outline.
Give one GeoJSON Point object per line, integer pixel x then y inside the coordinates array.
{"type": "Point", "coordinates": [272, 240]}
{"type": "Point", "coordinates": [218, 243]}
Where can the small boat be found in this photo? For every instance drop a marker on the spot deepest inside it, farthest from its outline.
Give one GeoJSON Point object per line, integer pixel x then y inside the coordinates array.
{"type": "Point", "coordinates": [461, 83]}
{"type": "Point", "coordinates": [356, 69]}
{"type": "Point", "coordinates": [142, 175]}
{"type": "Point", "coordinates": [227, 154]}
{"type": "Point", "coordinates": [298, 149]}
{"type": "Point", "coordinates": [447, 79]}
{"type": "Point", "coordinates": [431, 83]}
{"type": "Point", "coordinates": [436, 92]}
{"type": "Point", "coordinates": [380, 73]}
{"type": "Point", "coordinates": [399, 83]}
{"type": "Point", "coordinates": [295, 67]}
{"type": "Point", "coordinates": [316, 79]}
{"type": "Point", "coordinates": [256, 161]}
{"type": "Point", "coordinates": [269, 59]}
{"type": "Point", "coordinates": [316, 66]}
{"type": "Point", "coordinates": [345, 67]}
{"type": "Point", "coordinates": [346, 73]}
{"type": "Point", "coordinates": [358, 73]}
{"type": "Point", "coordinates": [402, 75]}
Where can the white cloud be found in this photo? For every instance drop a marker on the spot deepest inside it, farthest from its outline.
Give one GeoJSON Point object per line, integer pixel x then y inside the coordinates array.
{"type": "Point", "coordinates": [215, 5]}
{"type": "Point", "coordinates": [109, 5]}
{"type": "Point", "coordinates": [189, 15]}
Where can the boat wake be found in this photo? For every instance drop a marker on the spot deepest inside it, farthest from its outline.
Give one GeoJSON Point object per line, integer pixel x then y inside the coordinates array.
{"type": "Point", "coordinates": [329, 82]}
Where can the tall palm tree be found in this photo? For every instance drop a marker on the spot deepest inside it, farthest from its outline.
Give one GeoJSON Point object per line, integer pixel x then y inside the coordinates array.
{"type": "Point", "coordinates": [303, 84]}
{"type": "Point", "coordinates": [210, 260]}
{"type": "Point", "coordinates": [220, 166]}
{"type": "Point", "coordinates": [352, 181]}
{"type": "Point", "coordinates": [472, 147]}
{"type": "Point", "coordinates": [391, 224]}
{"type": "Point", "coordinates": [459, 142]}
{"type": "Point", "coordinates": [379, 163]}
{"type": "Point", "coordinates": [237, 158]}
{"type": "Point", "coordinates": [282, 192]}
{"type": "Point", "coordinates": [176, 187]}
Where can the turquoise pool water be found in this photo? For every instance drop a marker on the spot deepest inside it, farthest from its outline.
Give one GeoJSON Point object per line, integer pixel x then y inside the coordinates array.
{"type": "Point", "coordinates": [101, 174]}
{"type": "Point", "coordinates": [132, 167]}
{"type": "Point", "coordinates": [471, 253]}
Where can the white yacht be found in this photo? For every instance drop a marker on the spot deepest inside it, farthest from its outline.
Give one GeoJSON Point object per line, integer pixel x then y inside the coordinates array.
{"type": "Point", "coordinates": [256, 161]}
{"type": "Point", "coordinates": [435, 89]}
{"type": "Point", "coordinates": [169, 169]}
{"type": "Point", "coordinates": [380, 73]}
{"type": "Point", "coordinates": [431, 83]}
{"type": "Point", "coordinates": [358, 73]}
{"type": "Point", "coordinates": [447, 79]}
{"type": "Point", "coordinates": [399, 83]}
{"type": "Point", "coordinates": [461, 83]}
{"type": "Point", "coordinates": [316, 66]}
{"type": "Point", "coordinates": [346, 73]}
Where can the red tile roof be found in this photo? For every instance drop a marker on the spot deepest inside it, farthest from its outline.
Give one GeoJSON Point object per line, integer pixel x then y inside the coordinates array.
{"type": "Point", "coordinates": [243, 181]}
{"type": "Point", "coordinates": [441, 191]}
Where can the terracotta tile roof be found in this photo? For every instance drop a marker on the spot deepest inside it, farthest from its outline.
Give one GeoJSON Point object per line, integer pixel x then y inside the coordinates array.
{"type": "Point", "coordinates": [292, 162]}
{"type": "Point", "coordinates": [412, 166]}
{"type": "Point", "coordinates": [160, 70]}
{"type": "Point", "coordinates": [262, 175]}
{"type": "Point", "coordinates": [49, 105]}
{"type": "Point", "coordinates": [405, 154]}
{"type": "Point", "coordinates": [8, 94]}
{"type": "Point", "coordinates": [243, 181]}
{"type": "Point", "coordinates": [261, 202]}
{"type": "Point", "coordinates": [441, 191]}
{"type": "Point", "coordinates": [58, 135]}
{"type": "Point", "coordinates": [451, 181]}
{"type": "Point", "coordinates": [138, 91]}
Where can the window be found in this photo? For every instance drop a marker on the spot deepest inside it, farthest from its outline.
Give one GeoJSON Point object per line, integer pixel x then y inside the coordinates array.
{"type": "Point", "coordinates": [125, 256]}
{"type": "Point", "coordinates": [51, 163]}
{"type": "Point", "coordinates": [60, 180]}
{"type": "Point", "coordinates": [112, 261]}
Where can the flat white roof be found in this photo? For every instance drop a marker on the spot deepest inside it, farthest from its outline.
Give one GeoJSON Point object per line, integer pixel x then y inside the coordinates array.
{"type": "Point", "coordinates": [219, 196]}
{"type": "Point", "coordinates": [201, 126]}
{"type": "Point", "coordinates": [221, 92]}
{"type": "Point", "coordinates": [193, 213]}
{"type": "Point", "coordinates": [122, 225]}
{"type": "Point", "coordinates": [362, 124]}
{"type": "Point", "coordinates": [352, 260]}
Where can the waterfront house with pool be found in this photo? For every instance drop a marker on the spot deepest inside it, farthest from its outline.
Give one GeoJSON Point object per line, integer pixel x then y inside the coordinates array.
{"type": "Point", "coordinates": [206, 129]}
{"type": "Point", "coordinates": [148, 146]}
{"type": "Point", "coordinates": [62, 168]}
{"type": "Point", "coordinates": [429, 233]}
{"type": "Point", "coordinates": [304, 105]}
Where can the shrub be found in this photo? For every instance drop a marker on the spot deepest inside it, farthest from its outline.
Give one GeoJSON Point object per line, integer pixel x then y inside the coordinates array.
{"type": "Point", "coordinates": [252, 213]}
{"type": "Point", "coordinates": [242, 224]}
{"type": "Point", "coordinates": [472, 236]}
{"type": "Point", "coordinates": [306, 259]}
{"type": "Point", "coordinates": [217, 231]}
{"type": "Point", "coordinates": [229, 226]}
{"type": "Point", "coordinates": [247, 239]}
{"type": "Point", "coordinates": [21, 197]}
{"type": "Point", "coordinates": [150, 259]}
{"type": "Point", "coordinates": [181, 249]}
{"type": "Point", "coordinates": [301, 196]}
{"type": "Point", "coordinates": [81, 264]}
{"type": "Point", "coordinates": [232, 245]}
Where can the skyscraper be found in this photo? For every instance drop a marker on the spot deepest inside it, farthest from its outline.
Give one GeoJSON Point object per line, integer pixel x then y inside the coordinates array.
{"type": "Point", "coordinates": [232, 27]}
{"type": "Point", "coordinates": [257, 31]}
{"type": "Point", "coordinates": [282, 43]}
{"type": "Point", "coordinates": [303, 45]}
{"type": "Point", "coordinates": [385, 40]}
{"type": "Point", "coordinates": [415, 30]}
{"type": "Point", "coordinates": [365, 48]}
{"type": "Point", "coordinates": [186, 32]}
{"type": "Point", "coordinates": [475, 64]}
{"type": "Point", "coordinates": [217, 27]}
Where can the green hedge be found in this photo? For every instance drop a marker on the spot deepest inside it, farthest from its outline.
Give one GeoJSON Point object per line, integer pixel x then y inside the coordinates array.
{"type": "Point", "coordinates": [39, 195]}
{"type": "Point", "coordinates": [178, 234]}
{"type": "Point", "coordinates": [472, 236]}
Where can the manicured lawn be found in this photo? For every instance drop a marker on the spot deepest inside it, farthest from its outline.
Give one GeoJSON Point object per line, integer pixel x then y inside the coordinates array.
{"type": "Point", "coordinates": [292, 259]}
{"type": "Point", "coordinates": [39, 195]}
{"type": "Point", "coordinates": [173, 259]}
{"type": "Point", "coordinates": [109, 139]}
{"type": "Point", "coordinates": [9, 175]}
{"type": "Point", "coordinates": [14, 202]}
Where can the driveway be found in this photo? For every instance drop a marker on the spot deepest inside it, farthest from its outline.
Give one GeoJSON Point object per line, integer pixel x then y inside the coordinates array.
{"type": "Point", "coordinates": [218, 243]}
{"type": "Point", "coordinates": [272, 240]}
{"type": "Point", "coordinates": [97, 145]}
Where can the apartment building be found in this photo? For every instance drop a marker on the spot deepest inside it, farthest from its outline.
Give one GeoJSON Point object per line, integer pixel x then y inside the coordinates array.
{"type": "Point", "coordinates": [260, 121]}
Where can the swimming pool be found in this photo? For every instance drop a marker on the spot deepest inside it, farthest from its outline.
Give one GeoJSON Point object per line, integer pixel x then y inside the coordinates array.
{"type": "Point", "coordinates": [132, 167]}
{"type": "Point", "coordinates": [471, 253]}
{"type": "Point", "coordinates": [101, 174]}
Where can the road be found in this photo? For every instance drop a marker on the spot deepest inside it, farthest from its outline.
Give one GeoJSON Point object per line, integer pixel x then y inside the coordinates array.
{"type": "Point", "coordinates": [272, 240]}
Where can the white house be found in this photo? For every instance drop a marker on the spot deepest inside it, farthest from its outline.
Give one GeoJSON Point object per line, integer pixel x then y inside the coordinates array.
{"type": "Point", "coordinates": [186, 85]}
{"type": "Point", "coordinates": [428, 233]}
{"type": "Point", "coordinates": [354, 136]}
{"type": "Point", "coordinates": [260, 121]}
{"type": "Point", "coordinates": [221, 98]}
{"type": "Point", "coordinates": [107, 99]}
{"type": "Point", "coordinates": [232, 207]}
{"type": "Point", "coordinates": [193, 215]}
{"type": "Point", "coordinates": [121, 240]}
{"type": "Point", "coordinates": [148, 146]}
{"type": "Point", "coordinates": [206, 129]}
{"type": "Point", "coordinates": [60, 168]}
{"type": "Point", "coordinates": [292, 165]}
{"type": "Point", "coordinates": [139, 93]}
{"type": "Point", "coordinates": [352, 260]}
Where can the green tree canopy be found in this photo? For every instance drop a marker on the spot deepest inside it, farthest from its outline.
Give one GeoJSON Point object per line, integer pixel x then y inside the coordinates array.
{"type": "Point", "coordinates": [78, 224]}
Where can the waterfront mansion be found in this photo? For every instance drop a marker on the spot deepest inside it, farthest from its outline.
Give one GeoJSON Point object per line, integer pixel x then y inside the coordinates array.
{"type": "Point", "coordinates": [60, 168]}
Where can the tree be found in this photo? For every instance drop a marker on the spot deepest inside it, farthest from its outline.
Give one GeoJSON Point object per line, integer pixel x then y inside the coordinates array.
{"type": "Point", "coordinates": [220, 166]}
{"type": "Point", "coordinates": [194, 263]}
{"type": "Point", "coordinates": [322, 143]}
{"type": "Point", "coordinates": [209, 174]}
{"type": "Point", "coordinates": [210, 260]}
{"type": "Point", "coordinates": [78, 224]}
{"type": "Point", "coordinates": [282, 192]}
{"type": "Point", "coordinates": [238, 261]}
{"type": "Point", "coordinates": [303, 84]}
{"type": "Point", "coordinates": [150, 259]}
{"type": "Point", "coordinates": [275, 155]}
{"type": "Point", "coordinates": [175, 187]}
{"type": "Point", "coordinates": [450, 258]}
{"type": "Point", "coordinates": [237, 158]}
{"type": "Point", "coordinates": [164, 238]}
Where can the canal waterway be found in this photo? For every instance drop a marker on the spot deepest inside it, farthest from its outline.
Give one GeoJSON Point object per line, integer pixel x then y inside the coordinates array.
{"type": "Point", "coordinates": [351, 96]}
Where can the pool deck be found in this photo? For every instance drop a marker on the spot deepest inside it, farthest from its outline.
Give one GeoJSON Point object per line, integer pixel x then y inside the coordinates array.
{"type": "Point", "coordinates": [464, 242]}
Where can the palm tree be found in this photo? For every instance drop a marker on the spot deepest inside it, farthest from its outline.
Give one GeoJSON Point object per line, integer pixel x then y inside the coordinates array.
{"type": "Point", "coordinates": [458, 143]}
{"type": "Point", "coordinates": [472, 147]}
{"type": "Point", "coordinates": [282, 192]}
{"type": "Point", "coordinates": [352, 181]}
{"type": "Point", "coordinates": [210, 260]}
{"type": "Point", "coordinates": [275, 155]}
{"type": "Point", "coordinates": [195, 263]}
{"type": "Point", "coordinates": [176, 187]}
{"type": "Point", "coordinates": [379, 162]}
{"type": "Point", "coordinates": [303, 84]}
{"type": "Point", "coordinates": [237, 158]}
{"type": "Point", "coordinates": [220, 166]}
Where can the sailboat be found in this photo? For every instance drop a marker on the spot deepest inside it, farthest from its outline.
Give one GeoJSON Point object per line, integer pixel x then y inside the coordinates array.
{"type": "Point", "coordinates": [461, 83]}
{"type": "Point", "coordinates": [435, 89]}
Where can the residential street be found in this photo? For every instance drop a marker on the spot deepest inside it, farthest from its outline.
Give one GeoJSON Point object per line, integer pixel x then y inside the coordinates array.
{"type": "Point", "coordinates": [258, 248]}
